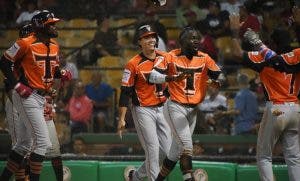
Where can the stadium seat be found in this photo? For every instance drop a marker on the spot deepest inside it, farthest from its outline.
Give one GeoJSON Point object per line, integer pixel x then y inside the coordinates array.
{"type": "Point", "coordinates": [88, 34]}
{"type": "Point", "coordinates": [85, 75]}
{"type": "Point", "coordinates": [173, 34]}
{"type": "Point", "coordinates": [64, 34]}
{"type": "Point", "coordinates": [110, 61]}
{"type": "Point", "coordinates": [129, 53]}
{"type": "Point", "coordinates": [79, 23]}
{"type": "Point", "coordinates": [224, 44]}
{"type": "Point", "coordinates": [124, 21]}
{"type": "Point", "coordinates": [11, 34]}
{"type": "Point", "coordinates": [168, 22]}
{"type": "Point", "coordinates": [113, 77]}
{"type": "Point", "coordinates": [249, 72]}
{"type": "Point", "coordinates": [75, 42]}
{"type": "Point", "coordinates": [125, 37]}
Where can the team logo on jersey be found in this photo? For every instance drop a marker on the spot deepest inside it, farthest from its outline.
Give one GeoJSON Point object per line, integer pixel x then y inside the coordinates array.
{"type": "Point", "coordinates": [13, 50]}
{"type": "Point", "coordinates": [126, 76]}
{"type": "Point", "coordinates": [47, 63]}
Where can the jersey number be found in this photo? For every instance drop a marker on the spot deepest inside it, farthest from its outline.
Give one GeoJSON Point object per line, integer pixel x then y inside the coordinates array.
{"type": "Point", "coordinates": [292, 82]}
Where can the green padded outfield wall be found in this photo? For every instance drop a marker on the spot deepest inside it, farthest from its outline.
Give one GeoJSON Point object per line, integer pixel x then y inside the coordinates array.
{"type": "Point", "coordinates": [250, 173]}
{"type": "Point", "coordinates": [80, 170]}
{"type": "Point", "coordinates": [113, 171]}
{"type": "Point", "coordinates": [216, 171]}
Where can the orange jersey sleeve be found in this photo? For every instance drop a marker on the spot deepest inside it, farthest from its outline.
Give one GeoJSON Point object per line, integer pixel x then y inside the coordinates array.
{"type": "Point", "coordinates": [36, 61]}
{"type": "Point", "coordinates": [292, 57]}
{"type": "Point", "coordinates": [136, 75]}
{"type": "Point", "coordinates": [193, 89]}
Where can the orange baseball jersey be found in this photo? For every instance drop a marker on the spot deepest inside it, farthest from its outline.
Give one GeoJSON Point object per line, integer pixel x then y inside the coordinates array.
{"type": "Point", "coordinates": [279, 86]}
{"type": "Point", "coordinates": [193, 89]}
{"type": "Point", "coordinates": [292, 57]}
{"type": "Point", "coordinates": [31, 55]}
{"type": "Point", "coordinates": [136, 76]}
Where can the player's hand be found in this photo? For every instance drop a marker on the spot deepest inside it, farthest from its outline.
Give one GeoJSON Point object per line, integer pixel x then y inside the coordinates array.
{"type": "Point", "coordinates": [277, 112]}
{"type": "Point", "coordinates": [214, 83]}
{"type": "Point", "coordinates": [121, 127]}
{"type": "Point", "coordinates": [65, 75]}
{"type": "Point", "coordinates": [234, 21]}
{"type": "Point", "coordinates": [179, 77]}
{"type": "Point", "coordinates": [296, 14]}
{"type": "Point", "coordinates": [23, 90]}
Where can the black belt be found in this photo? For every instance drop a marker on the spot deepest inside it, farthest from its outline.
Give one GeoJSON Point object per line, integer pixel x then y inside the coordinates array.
{"type": "Point", "coordinates": [42, 92]}
{"type": "Point", "coordinates": [185, 104]}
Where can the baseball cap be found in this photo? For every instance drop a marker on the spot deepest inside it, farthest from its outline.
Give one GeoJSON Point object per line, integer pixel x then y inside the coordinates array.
{"type": "Point", "coordinates": [145, 30]}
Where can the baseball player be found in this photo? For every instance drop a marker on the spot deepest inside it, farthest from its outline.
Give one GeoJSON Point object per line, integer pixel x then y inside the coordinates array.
{"type": "Point", "coordinates": [281, 115]}
{"type": "Point", "coordinates": [185, 95]}
{"type": "Point", "coordinates": [12, 116]}
{"type": "Point", "coordinates": [37, 57]}
{"type": "Point", "coordinates": [147, 104]}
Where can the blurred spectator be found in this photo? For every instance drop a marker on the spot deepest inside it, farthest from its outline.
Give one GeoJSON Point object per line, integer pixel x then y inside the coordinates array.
{"type": "Point", "coordinates": [231, 6]}
{"type": "Point", "coordinates": [105, 41]}
{"type": "Point", "coordinates": [213, 106]}
{"type": "Point", "coordinates": [217, 20]}
{"type": "Point", "coordinates": [66, 64]}
{"type": "Point", "coordinates": [191, 18]}
{"type": "Point", "coordinates": [80, 108]}
{"type": "Point", "coordinates": [31, 10]}
{"type": "Point", "coordinates": [246, 108]}
{"type": "Point", "coordinates": [248, 18]}
{"type": "Point", "coordinates": [280, 41]}
{"type": "Point", "coordinates": [79, 147]}
{"type": "Point", "coordinates": [207, 43]}
{"type": "Point", "coordinates": [100, 94]}
{"type": "Point", "coordinates": [151, 18]}
{"type": "Point", "coordinates": [188, 6]}
{"type": "Point", "coordinates": [7, 8]}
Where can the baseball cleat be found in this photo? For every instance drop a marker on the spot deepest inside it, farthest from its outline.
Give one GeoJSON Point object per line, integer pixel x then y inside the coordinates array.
{"type": "Point", "coordinates": [128, 172]}
{"type": "Point", "coordinates": [200, 175]}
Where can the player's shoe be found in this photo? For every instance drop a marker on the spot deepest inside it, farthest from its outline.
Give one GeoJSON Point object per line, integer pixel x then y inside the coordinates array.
{"type": "Point", "coordinates": [128, 173]}
{"type": "Point", "coordinates": [200, 175]}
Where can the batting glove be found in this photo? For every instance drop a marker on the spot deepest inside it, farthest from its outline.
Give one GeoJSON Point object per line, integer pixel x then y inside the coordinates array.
{"type": "Point", "coordinates": [253, 38]}
{"type": "Point", "coordinates": [23, 90]}
{"type": "Point", "coordinates": [65, 75]}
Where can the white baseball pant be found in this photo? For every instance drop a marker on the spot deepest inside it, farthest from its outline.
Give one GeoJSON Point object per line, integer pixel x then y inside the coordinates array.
{"type": "Point", "coordinates": [155, 136]}
{"type": "Point", "coordinates": [271, 129]}
{"type": "Point", "coordinates": [32, 122]}
{"type": "Point", "coordinates": [182, 121]}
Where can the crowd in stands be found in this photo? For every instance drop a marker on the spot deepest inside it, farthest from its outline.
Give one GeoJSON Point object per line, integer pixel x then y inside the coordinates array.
{"type": "Point", "coordinates": [89, 104]}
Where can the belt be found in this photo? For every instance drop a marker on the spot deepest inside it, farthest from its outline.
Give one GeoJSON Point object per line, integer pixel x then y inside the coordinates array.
{"type": "Point", "coordinates": [41, 92]}
{"type": "Point", "coordinates": [157, 105]}
{"type": "Point", "coordinates": [185, 104]}
{"type": "Point", "coordinates": [287, 103]}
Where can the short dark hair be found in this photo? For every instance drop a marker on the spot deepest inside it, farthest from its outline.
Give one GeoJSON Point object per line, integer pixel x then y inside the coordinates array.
{"type": "Point", "coordinates": [184, 32]}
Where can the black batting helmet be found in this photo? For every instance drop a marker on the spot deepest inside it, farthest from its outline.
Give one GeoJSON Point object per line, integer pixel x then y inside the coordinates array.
{"type": "Point", "coordinates": [25, 30]}
{"type": "Point", "coordinates": [42, 18]}
{"type": "Point", "coordinates": [146, 30]}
